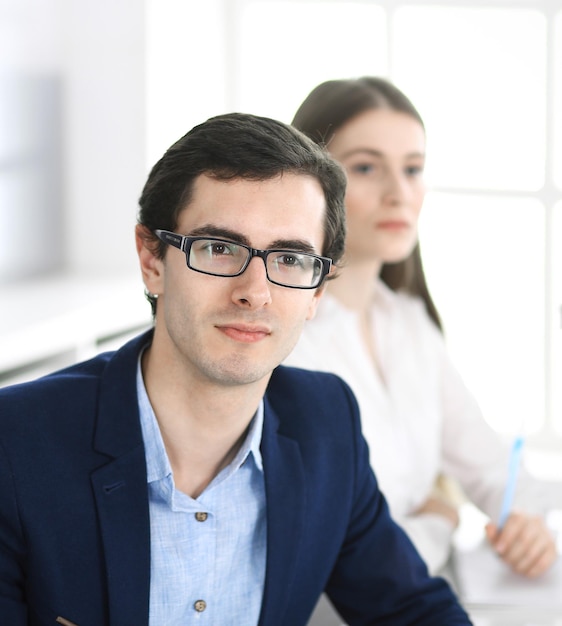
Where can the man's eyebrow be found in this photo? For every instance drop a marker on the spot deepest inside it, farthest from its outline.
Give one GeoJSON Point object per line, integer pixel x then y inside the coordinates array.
{"type": "Point", "coordinates": [298, 245]}
{"type": "Point", "coordinates": [211, 230]}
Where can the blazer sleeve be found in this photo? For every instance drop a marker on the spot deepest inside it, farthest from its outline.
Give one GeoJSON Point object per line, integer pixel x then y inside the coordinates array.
{"type": "Point", "coordinates": [12, 605]}
{"type": "Point", "coordinates": [379, 577]}
{"type": "Point", "coordinates": [432, 535]}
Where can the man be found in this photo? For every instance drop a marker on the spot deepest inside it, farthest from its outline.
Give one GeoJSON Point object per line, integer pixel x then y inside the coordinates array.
{"type": "Point", "coordinates": [186, 478]}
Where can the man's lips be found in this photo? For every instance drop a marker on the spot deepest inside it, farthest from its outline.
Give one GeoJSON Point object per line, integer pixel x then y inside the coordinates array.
{"type": "Point", "coordinates": [245, 333]}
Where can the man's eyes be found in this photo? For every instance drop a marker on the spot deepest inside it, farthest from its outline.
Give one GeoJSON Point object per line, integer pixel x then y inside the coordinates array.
{"type": "Point", "coordinates": [290, 259]}
{"type": "Point", "coordinates": [219, 248]}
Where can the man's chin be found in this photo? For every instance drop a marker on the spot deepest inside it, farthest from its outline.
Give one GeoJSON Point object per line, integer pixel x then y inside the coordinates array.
{"type": "Point", "coordinates": [237, 372]}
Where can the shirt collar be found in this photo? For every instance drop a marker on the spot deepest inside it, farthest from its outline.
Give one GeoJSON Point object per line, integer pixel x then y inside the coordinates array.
{"type": "Point", "coordinates": [157, 462]}
{"type": "Point", "coordinates": [383, 294]}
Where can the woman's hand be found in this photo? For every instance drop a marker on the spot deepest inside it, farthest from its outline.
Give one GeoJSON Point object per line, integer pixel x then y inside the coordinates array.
{"type": "Point", "coordinates": [524, 543]}
{"type": "Point", "coordinates": [439, 506]}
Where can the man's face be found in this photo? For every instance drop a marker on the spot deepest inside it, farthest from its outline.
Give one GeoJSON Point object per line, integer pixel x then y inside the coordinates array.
{"type": "Point", "coordinates": [236, 330]}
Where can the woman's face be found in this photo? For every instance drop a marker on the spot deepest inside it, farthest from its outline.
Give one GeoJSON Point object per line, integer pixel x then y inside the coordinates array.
{"type": "Point", "coordinates": [383, 153]}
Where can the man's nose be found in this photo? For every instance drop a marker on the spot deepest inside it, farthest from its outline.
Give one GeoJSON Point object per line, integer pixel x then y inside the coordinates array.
{"type": "Point", "coordinates": [252, 287]}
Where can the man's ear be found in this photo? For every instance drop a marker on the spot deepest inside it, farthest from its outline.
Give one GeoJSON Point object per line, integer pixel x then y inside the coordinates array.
{"type": "Point", "coordinates": [152, 268]}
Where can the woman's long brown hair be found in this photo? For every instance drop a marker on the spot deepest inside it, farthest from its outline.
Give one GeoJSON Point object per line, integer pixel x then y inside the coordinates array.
{"type": "Point", "coordinates": [328, 107]}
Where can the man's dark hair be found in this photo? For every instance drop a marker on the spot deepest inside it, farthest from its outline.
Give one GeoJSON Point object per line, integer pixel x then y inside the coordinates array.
{"type": "Point", "coordinates": [250, 147]}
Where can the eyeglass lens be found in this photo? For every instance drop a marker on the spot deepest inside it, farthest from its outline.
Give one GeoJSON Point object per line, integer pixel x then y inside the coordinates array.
{"type": "Point", "coordinates": [224, 258]}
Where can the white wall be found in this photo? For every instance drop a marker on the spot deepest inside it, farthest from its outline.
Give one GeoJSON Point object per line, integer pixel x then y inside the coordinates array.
{"type": "Point", "coordinates": [135, 75]}
{"type": "Point", "coordinates": [72, 166]}
{"type": "Point", "coordinates": [92, 54]}
{"type": "Point", "coordinates": [104, 70]}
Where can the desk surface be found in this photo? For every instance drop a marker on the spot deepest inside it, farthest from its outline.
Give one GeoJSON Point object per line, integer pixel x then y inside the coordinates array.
{"type": "Point", "coordinates": [63, 319]}
{"type": "Point", "coordinates": [530, 602]}
{"type": "Point", "coordinates": [481, 615]}
{"type": "Point", "coordinates": [324, 615]}
{"type": "Point", "coordinates": [489, 616]}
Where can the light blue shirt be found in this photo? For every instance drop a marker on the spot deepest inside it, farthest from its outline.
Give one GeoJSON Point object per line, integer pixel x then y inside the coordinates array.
{"type": "Point", "coordinates": [207, 555]}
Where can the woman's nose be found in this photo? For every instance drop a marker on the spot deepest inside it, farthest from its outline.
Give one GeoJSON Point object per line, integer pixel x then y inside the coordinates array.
{"type": "Point", "coordinates": [395, 187]}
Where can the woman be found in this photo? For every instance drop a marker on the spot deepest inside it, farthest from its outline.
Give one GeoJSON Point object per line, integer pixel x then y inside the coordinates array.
{"type": "Point", "coordinates": [379, 329]}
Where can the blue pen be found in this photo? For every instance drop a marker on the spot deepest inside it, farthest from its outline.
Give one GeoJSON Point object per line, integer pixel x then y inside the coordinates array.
{"type": "Point", "coordinates": [514, 462]}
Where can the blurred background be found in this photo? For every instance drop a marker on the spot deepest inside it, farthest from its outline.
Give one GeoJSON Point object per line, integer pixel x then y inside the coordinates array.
{"type": "Point", "coordinates": [92, 93]}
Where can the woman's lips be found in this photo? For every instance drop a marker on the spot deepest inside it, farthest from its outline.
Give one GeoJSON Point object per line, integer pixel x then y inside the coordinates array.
{"type": "Point", "coordinates": [393, 225]}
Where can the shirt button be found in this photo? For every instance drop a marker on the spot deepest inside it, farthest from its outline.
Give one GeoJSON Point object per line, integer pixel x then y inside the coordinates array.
{"type": "Point", "coordinates": [200, 606]}
{"type": "Point", "coordinates": [201, 517]}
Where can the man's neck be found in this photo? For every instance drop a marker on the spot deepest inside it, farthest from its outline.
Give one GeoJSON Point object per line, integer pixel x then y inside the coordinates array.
{"type": "Point", "coordinates": [203, 425]}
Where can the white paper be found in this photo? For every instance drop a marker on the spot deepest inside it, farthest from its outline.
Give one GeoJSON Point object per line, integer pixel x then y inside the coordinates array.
{"type": "Point", "coordinates": [483, 578]}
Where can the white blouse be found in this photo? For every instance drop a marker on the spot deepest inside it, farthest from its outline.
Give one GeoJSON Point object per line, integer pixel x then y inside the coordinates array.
{"type": "Point", "coordinates": [418, 417]}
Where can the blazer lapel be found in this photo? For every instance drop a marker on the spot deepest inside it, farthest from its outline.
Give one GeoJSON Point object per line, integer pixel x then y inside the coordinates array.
{"type": "Point", "coordinates": [120, 489]}
{"type": "Point", "coordinates": [285, 497]}
{"type": "Point", "coordinates": [121, 495]}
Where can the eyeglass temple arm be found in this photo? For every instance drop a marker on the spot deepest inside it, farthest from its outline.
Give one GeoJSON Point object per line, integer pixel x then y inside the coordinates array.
{"type": "Point", "coordinates": [172, 238]}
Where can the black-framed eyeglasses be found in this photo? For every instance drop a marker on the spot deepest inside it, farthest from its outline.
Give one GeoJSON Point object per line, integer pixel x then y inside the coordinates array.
{"type": "Point", "coordinates": [217, 257]}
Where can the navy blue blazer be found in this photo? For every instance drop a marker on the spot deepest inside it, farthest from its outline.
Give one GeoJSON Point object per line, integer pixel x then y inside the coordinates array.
{"type": "Point", "coordinates": [74, 518]}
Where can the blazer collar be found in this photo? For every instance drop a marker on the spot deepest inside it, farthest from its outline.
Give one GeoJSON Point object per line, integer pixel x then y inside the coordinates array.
{"type": "Point", "coordinates": [118, 425]}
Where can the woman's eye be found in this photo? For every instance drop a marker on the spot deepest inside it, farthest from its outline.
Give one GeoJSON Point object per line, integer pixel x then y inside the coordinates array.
{"type": "Point", "coordinates": [414, 170]}
{"type": "Point", "coordinates": [363, 168]}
